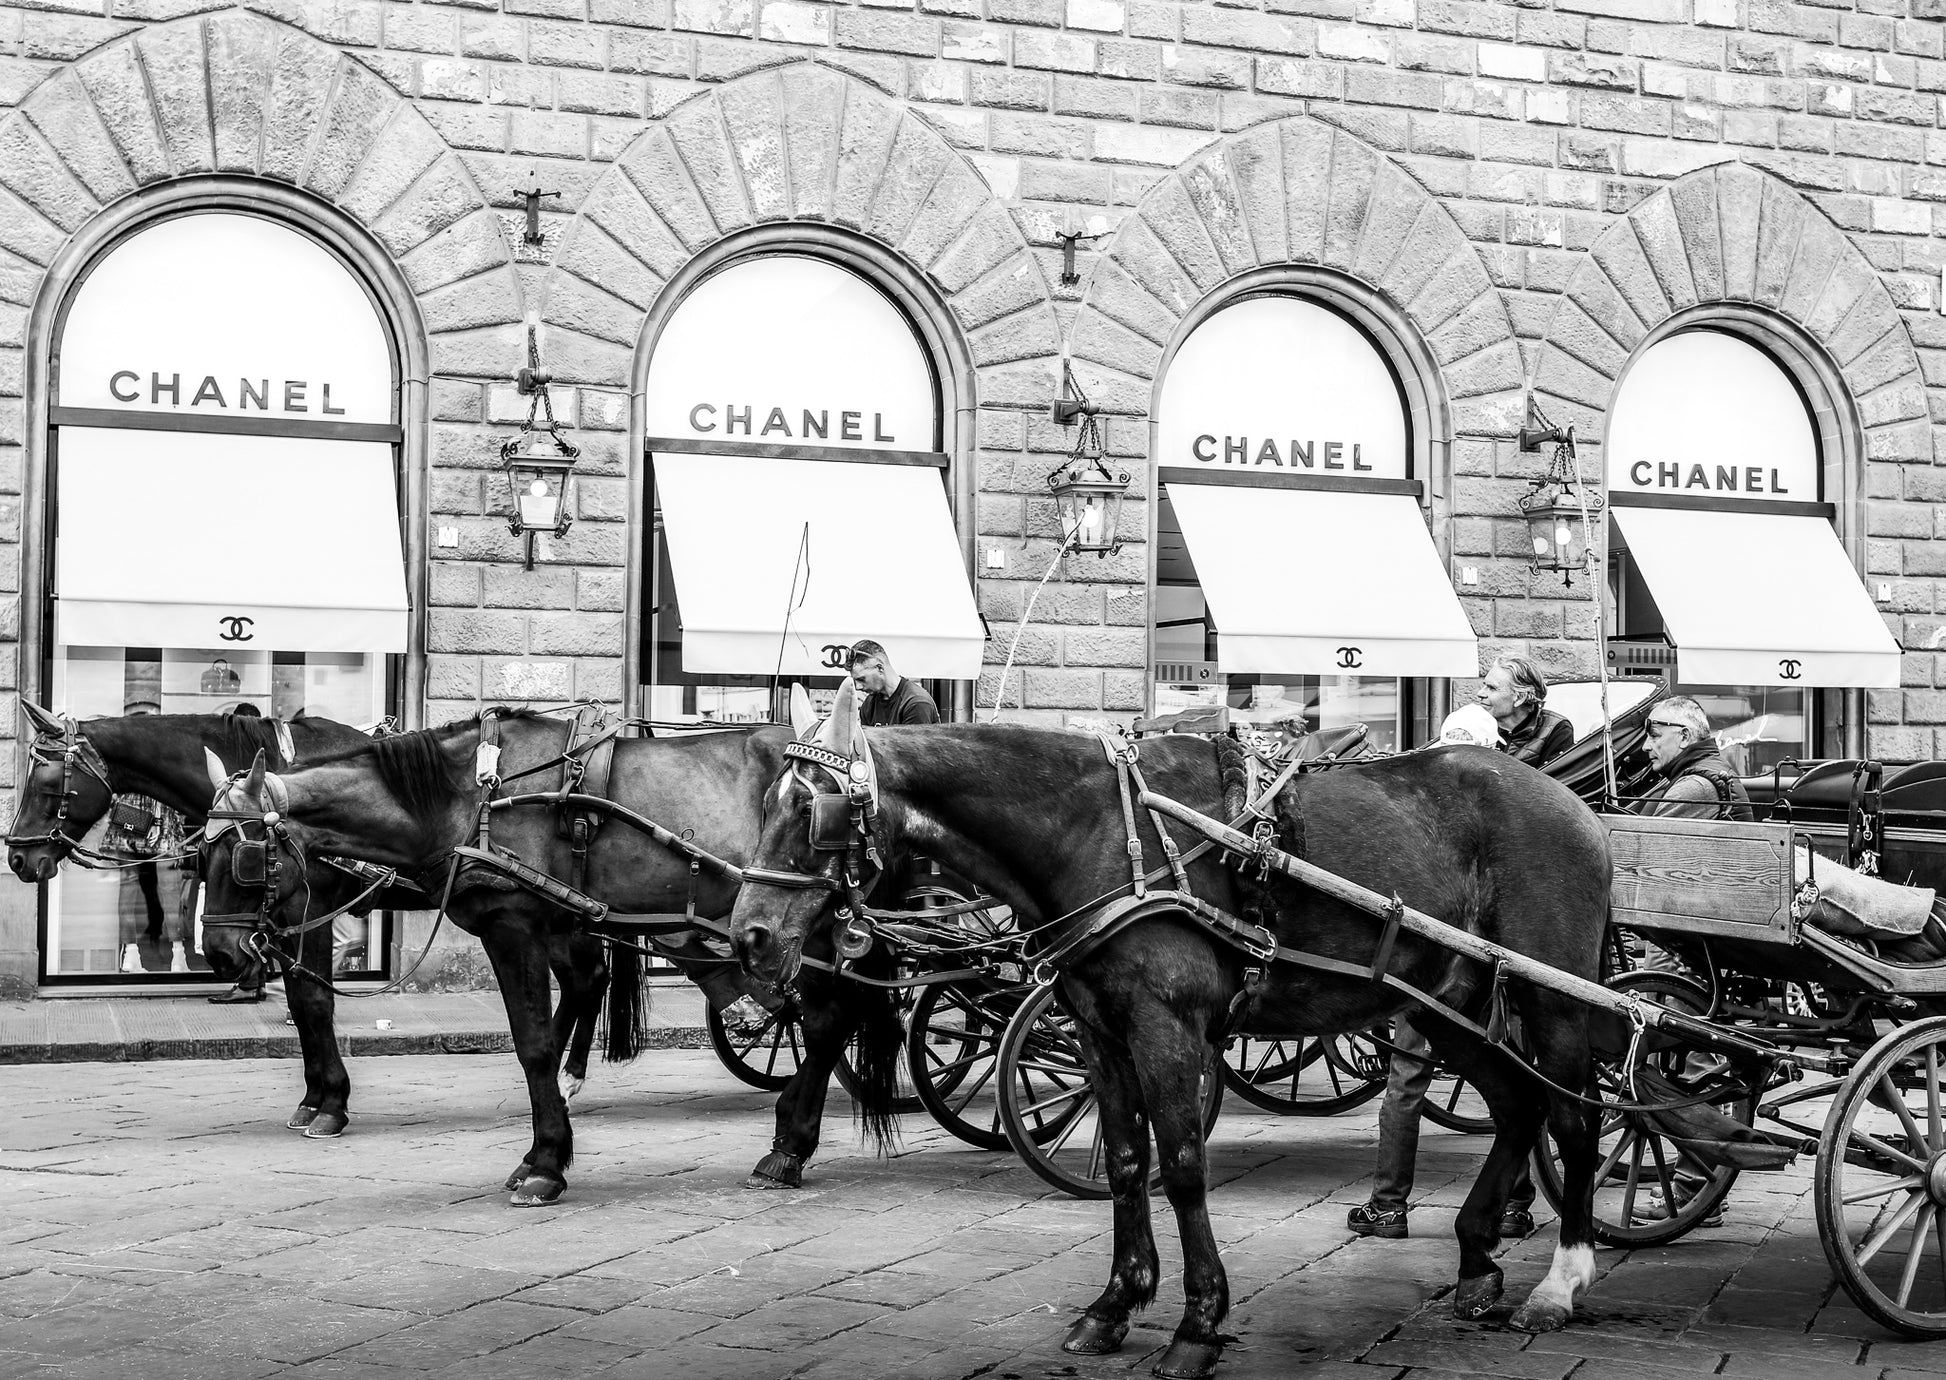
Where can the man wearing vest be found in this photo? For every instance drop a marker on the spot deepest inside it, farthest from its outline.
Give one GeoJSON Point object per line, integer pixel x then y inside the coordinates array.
{"type": "Point", "coordinates": [1696, 782]}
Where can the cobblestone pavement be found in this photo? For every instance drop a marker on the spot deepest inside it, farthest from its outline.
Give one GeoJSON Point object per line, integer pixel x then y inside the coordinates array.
{"type": "Point", "coordinates": [160, 1222]}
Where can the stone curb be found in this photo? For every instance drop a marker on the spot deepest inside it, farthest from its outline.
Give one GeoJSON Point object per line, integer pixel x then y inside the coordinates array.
{"type": "Point", "coordinates": [363, 1045]}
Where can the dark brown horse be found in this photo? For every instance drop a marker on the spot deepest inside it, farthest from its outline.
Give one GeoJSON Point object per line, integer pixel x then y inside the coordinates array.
{"type": "Point", "coordinates": [1035, 817]}
{"type": "Point", "coordinates": [80, 767]}
{"type": "Point", "coordinates": [407, 802]}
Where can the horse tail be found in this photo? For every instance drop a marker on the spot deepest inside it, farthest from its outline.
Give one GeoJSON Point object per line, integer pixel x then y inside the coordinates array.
{"type": "Point", "coordinates": [874, 1054]}
{"type": "Point", "coordinates": [626, 1004]}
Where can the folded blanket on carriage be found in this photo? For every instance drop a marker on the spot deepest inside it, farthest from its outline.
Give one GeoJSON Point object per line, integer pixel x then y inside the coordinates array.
{"type": "Point", "coordinates": [1903, 924]}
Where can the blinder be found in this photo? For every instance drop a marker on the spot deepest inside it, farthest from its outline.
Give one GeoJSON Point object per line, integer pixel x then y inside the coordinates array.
{"type": "Point", "coordinates": [830, 823]}
{"type": "Point", "coordinates": [249, 862]}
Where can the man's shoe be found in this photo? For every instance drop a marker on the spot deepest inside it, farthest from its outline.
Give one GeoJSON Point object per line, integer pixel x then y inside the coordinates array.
{"type": "Point", "coordinates": [1651, 1207]}
{"type": "Point", "coordinates": [1370, 1220]}
{"type": "Point", "coordinates": [236, 996]}
{"type": "Point", "coordinates": [1515, 1223]}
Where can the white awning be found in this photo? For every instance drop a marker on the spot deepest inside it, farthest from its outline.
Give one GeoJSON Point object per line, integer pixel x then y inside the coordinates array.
{"type": "Point", "coordinates": [1759, 599]}
{"type": "Point", "coordinates": [777, 561]}
{"type": "Point", "coordinates": [1323, 582]}
{"type": "Point", "coordinates": [195, 539]}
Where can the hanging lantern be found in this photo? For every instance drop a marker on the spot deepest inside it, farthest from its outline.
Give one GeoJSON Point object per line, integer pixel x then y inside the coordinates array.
{"type": "Point", "coordinates": [1088, 491]}
{"type": "Point", "coordinates": [539, 461]}
{"type": "Point", "coordinates": [1557, 516]}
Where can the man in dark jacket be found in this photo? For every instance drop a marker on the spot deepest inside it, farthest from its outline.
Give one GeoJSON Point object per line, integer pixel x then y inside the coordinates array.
{"type": "Point", "coordinates": [886, 697]}
{"type": "Point", "coordinates": [1696, 782]}
{"type": "Point", "coordinates": [1515, 693]}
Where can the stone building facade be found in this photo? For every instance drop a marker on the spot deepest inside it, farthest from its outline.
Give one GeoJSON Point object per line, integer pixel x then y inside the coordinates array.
{"type": "Point", "coordinates": [1508, 198]}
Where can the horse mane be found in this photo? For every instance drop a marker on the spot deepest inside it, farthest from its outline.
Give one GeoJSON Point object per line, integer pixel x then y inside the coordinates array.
{"type": "Point", "coordinates": [249, 734]}
{"type": "Point", "coordinates": [415, 768]}
{"type": "Point", "coordinates": [1233, 770]}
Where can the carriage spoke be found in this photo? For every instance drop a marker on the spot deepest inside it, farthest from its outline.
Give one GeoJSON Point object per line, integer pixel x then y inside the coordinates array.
{"type": "Point", "coordinates": [1622, 1143]}
{"type": "Point", "coordinates": [1669, 1205]}
{"type": "Point", "coordinates": [1891, 1228]}
{"type": "Point", "coordinates": [1907, 1184]}
{"type": "Point", "coordinates": [1094, 1152]}
{"type": "Point", "coordinates": [1061, 1139]}
{"type": "Point", "coordinates": [1065, 1095]}
{"type": "Point", "coordinates": [1932, 1098]}
{"type": "Point", "coordinates": [1634, 1181]}
{"type": "Point", "coordinates": [985, 1077]}
{"type": "Point", "coordinates": [1896, 1101]}
{"type": "Point", "coordinates": [1921, 1229]}
{"type": "Point", "coordinates": [1872, 1142]}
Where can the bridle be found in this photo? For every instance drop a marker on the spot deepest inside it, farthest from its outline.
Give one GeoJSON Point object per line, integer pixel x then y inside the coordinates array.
{"type": "Point", "coordinates": [78, 758]}
{"type": "Point", "coordinates": [257, 863]}
{"type": "Point", "coordinates": [840, 826]}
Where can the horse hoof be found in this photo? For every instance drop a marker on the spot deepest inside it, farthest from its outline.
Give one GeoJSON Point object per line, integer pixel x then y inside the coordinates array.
{"type": "Point", "coordinates": [778, 1169]}
{"type": "Point", "coordinates": [571, 1088]}
{"type": "Point", "coordinates": [1476, 1297]}
{"type": "Point", "coordinates": [519, 1176]}
{"type": "Point", "coordinates": [539, 1190]}
{"type": "Point", "coordinates": [1092, 1336]}
{"type": "Point", "coordinates": [326, 1126]}
{"type": "Point", "coordinates": [302, 1117]}
{"type": "Point", "coordinates": [1539, 1316]}
{"type": "Point", "coordinates": [1189, 1360]}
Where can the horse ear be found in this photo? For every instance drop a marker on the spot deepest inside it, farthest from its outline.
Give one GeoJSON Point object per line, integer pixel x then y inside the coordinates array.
{"type": "Point", "coordinates": [840, 729]}
{"type": "Point", "coordinates": [255, 785]}
{"type": "Point", "coordinates": [43, 721]}
{"type": "Point", "coordinates": [218, 777]}
{"type": "Point", "coordinates": [803, 716]}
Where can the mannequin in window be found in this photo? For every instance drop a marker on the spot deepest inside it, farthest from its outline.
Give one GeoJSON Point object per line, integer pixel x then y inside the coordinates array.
{"type": "Point", "coordinates": [887, 697]}
{"type": "Point", "coordinates": [1514, 691]}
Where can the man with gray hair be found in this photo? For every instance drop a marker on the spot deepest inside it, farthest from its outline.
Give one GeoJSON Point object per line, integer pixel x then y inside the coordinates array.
{"type": "Point", "coordinates": [1696, 782]}
{"type": "Point", "coordinates": [1514, 691]}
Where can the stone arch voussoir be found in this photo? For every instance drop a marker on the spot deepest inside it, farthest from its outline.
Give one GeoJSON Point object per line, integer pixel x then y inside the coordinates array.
{"type": "Point", "coordinates": [237, 95]}
{"type": "Point", "coordinates": [806, 143]}
{"type": "Point", "coordinates": [1690, 245]}
{"type": "Point", "coordinates": [1302, 192]}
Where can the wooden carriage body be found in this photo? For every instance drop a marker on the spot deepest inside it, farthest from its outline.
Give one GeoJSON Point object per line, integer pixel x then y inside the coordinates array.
{"type": "Point", "coordinates": [1705, 885]}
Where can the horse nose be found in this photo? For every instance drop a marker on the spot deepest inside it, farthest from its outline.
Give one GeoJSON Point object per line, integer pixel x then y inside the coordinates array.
{"type": "Point", "coordinates": [17, 860]}
{"type": "Point", "coordinates": [753, 942]}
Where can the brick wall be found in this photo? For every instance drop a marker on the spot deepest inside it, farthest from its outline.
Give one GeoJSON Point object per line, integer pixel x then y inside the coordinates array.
{"type": "Point", "coordinates": [1557, 162]}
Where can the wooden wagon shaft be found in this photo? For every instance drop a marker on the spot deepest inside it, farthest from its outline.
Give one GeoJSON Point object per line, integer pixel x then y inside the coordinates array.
{"type": "Point", "coordinates": [1630, 1008]}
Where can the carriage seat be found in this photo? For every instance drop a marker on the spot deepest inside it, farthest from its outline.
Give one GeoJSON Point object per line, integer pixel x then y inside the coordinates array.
{"type": "Point", "coordinates": [1821, 793]}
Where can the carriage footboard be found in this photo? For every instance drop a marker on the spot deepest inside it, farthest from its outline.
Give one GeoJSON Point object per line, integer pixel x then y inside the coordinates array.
{"type": "Point", "coordinates": [1703, 877]}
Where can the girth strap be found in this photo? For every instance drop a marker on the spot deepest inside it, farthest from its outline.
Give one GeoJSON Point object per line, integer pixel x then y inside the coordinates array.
{"type": "Point", "coordinates": [530, 879]}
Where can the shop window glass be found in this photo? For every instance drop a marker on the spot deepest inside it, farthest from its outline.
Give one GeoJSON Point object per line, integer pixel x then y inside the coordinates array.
{"type": "Point", "coordinates": [226, 487]}
{"type": "Point", "coordinates": [1705, 414]}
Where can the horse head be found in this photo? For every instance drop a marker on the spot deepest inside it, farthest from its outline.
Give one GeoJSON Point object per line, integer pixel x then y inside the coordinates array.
{"type": "Point", "coordinates": [66, 793]}
{"type": "Point", "coordinates": [814, 847]}
{"type": "Point", "coordinates": [251, 860]}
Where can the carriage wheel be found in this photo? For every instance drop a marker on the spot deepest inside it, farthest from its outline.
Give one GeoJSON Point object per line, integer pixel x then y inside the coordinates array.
{"type": "Point", "coordinates": [767, 1058]}
{"type": "Point", "coordinates": [953, 1049]}
{"type": "Point", "coordinates": [1047, 1100]}
{"type": "Point", "coordinates": [1881, 1181]}
{"type": "Point", "coordinates": [1456, 1104]}
{"type": "Point", "coordinates": [1641, 1170]}
{"type": "Point", "coordinates": [1304, 1075]}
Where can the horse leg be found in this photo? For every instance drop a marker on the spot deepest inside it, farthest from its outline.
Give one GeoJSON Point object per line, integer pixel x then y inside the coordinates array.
{"type": "Point", "coordinates": [828, 1022]}
{"type": "Point", "coordinates": [583, 976]}
{"type": "Point", "coordinates": [1172, 1057]}
{"type": "Point", "coordinates": [520, 964]}
{"type": "Point", "coordinates": [1125, 1144]}
{"type": "Point", "coordinates": [323, 1113]}
{"type": "Point", "coordinates": [1577, 1134]}
{"type": "Point", "coordinates": [1517, 1112]}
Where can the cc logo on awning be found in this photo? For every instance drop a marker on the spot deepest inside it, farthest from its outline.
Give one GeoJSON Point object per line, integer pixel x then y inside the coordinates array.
{"type": "Point", "coordinates": [836, 654]}
{"type": "Point", "coordinates": [1351, 658]}
{"type": "Point", "coordinates": [237, 624]}
{"type": "Point", "coordinates": [1791, 667]}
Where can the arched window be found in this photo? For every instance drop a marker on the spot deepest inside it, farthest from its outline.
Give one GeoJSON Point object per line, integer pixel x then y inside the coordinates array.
{"type": "Point", "coordinates": [796, 453]}
{"type": "Point", "coordinates": [1295, 579]}
{"type": "Point", "coordinates": [1724, 569]}
{"type": "Point", "coordinates": [223, 518]}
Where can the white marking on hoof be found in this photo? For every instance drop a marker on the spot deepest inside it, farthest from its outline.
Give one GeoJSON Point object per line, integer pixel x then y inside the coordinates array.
{"type": "Point", "coordinates": [1552, 1302]}
{"type": "Point", "coordinates": [571, 1087]}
